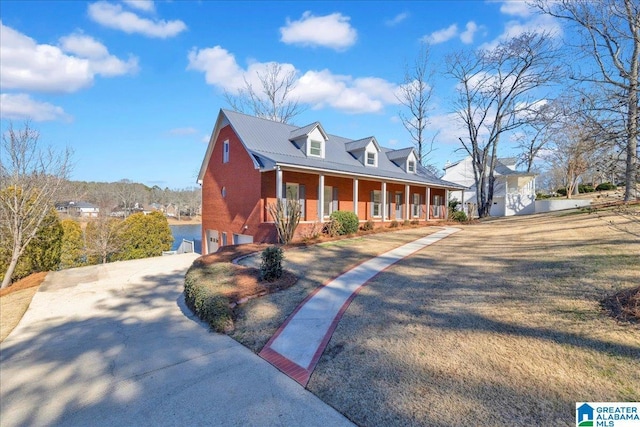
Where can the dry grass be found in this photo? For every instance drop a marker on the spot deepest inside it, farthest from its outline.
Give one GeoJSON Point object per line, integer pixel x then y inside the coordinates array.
{"type": "Point", "coordinates": [500, 324]}
{"type": "Point", "coordinates": [15, 300]}
{"type": "Point", "coordinates": [257, 320]}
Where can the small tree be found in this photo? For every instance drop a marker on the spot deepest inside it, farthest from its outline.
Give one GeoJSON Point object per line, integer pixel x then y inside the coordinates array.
{"type": "Point", "coordinates": [73, 253]}
{"type": "Point", "coordinates": [271, 266]}
{"type": "Point", "coordinates": [30, 180]}
{"type": "Point", "coordinates": [286, 216]}
{"type": "Point", "coordinates": [102, 239]}
{"type": "Point", "coordinates": [42, 253]}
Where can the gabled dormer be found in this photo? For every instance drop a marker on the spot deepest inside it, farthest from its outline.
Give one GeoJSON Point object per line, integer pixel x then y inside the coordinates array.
{"type": "Point", "coordinates": [312, 139]}
{"type": "Point", "coordinates": [405, 158]}
{"type": "Point", "coordinates": [366, 150]}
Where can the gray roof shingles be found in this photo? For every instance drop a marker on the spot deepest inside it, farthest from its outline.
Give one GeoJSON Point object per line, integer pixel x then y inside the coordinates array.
{"type": "Point", "coordinates": [270, 142]}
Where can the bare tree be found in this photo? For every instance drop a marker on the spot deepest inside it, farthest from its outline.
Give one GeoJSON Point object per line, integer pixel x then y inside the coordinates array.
{"type": "Point", "coordinates": [102, 238]}
{"type": "Point", "coordinates": [610, 33]}
{"type": "Point", "coordinates": [414, 95]}
{"type": "Point", "coordinates": [537, 133]}
{"type": "Point", "coordinates": [30, 179]}
{"type": "Point", "coordinates": [273, 100]}
{"type": "Point", "coordinates": [495, 95]}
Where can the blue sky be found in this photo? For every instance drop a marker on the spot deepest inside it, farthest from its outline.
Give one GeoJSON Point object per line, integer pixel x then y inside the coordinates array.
{"type": "Point", "coordinates": [134, 87]}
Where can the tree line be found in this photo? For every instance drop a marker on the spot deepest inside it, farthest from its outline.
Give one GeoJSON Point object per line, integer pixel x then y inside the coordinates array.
{"type": "Point", "coordinates": [571, 119]}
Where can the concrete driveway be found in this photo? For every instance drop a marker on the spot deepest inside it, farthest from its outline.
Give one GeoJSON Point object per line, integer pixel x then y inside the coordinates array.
{"type": "Point", "coordinates": [115, 345]}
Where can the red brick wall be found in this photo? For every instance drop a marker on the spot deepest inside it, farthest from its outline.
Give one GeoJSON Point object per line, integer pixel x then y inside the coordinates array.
{"type": "Point", "coordinates": [242, 205]}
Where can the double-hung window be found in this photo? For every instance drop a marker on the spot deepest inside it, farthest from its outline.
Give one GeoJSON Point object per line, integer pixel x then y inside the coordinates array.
{"type": "Point", "coordinates": [411, 166]}
{"type": "Point", "coordinates": [330, 200]}
{"type": "Point", "coordinates": [415, 206]}
{"type": "Point", "coordinates": [371, 158]}
{"type": "Point", "coordinates": [315, 148]}
{"type": "Point", "coordinates": [376, 203]}
{"type": "Point", "coordinates": [295, 191]}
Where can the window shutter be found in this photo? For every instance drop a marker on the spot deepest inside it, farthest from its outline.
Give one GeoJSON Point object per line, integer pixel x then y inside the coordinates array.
{"type": "Point", "coordinates": [371, 205]}
{"type": "Point", "coordinates": [334, 202]}
{"type": "Point", "coordinates": [284, 192]}
{"type": "Point", "coordinates": [302, 196]}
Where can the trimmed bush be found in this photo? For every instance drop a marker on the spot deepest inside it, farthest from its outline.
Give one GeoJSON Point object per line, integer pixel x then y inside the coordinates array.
{"type": "Point", "coordinates": [406, 223]}
{"type": "Point", "coordinates": [605, 186]}
{"type": "Point", "coordinates": [347, 222]}
{"type": "Point", "coordinates": [458, 216]}
{"type": "Point", "coordinates": [207, 303]}
{"type": "Point", "coordinates": [415, 222]}
{"type": "Point", "coordinates": [271, 267]}
{"type": "Point", "coordinates": [585, 188]}
{"type": "Point", "coordinates": [393, 224]}
{"type": "Point", "coordinates": [561, 191]}
{"type": "Point", "coordinates": [367, 226]}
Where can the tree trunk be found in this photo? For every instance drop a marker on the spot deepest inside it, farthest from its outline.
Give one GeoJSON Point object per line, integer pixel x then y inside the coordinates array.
{"type": "Point", "coordinates": [6, 281]}
{"type": "Point", "coordinates": [630, 192]}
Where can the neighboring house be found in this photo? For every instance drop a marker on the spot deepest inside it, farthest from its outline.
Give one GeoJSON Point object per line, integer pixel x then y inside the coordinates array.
{"type": "Point", "coordinates": [514, 192]}
{"type": "Point", "coordinates": [252, 162]}
{"type": "Point", "coordinates": [81, 209]}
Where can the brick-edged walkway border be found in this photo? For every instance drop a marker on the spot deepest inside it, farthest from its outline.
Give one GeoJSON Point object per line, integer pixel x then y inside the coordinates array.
{"type": "Point", "coordinates": [297, 345]}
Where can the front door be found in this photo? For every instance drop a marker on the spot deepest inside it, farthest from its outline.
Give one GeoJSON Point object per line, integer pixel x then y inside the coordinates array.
{"type": "Point", "coordinates": [398, 205]}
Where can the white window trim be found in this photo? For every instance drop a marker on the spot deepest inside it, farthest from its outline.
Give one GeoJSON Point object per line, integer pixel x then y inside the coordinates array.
{"type": "Point", "coordinates": [225, 151]}
{"type": "Point", "coordinates": [379, 204]}
{"type": "Point", "coordinates": [321, 155]}
{"type": "Point", "coordinates": [375, 159]}
{"type": "Point", "coordinates": [409, 162]}
{"type": "Point", "coordinates": [415, 207]}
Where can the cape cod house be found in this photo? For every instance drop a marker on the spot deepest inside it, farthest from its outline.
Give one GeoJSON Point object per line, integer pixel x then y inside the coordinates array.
{"type": "Point", "coordinates": [514, 192]}
{"type": "Point", "coordinates": [251, 162]}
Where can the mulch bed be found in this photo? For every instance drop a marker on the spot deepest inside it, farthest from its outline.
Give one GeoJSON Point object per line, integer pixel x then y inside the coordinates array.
{"type": "Point", "coordinates": [624, 306]}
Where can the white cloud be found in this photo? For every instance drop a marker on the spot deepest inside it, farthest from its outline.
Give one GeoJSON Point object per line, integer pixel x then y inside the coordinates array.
{"type": "Point", "coordinates": [442, 36]}
{"type": "Point", "coordinates": [515, 8]}
{"type": "Point", "coordinates": [319, 89]}
{"type": "Point", "coordinates": [22, 106]}
{"type": "Point", "coordinates": [396, 19]}
{"type": "Point", "coordinates": [332, 31]}
{"type": "Point", "coordinates": [113, 16]}
{"type": "Point", "coordinates": [467, 36]}
{"type": "Point", "coordinates": [143, 5]}
{"type": "Point", "coordinates": [220, 67]}
{"type": "Point", "coordinates": [538, 24]}
{"type": "Point", "coordinates": [27, 65]}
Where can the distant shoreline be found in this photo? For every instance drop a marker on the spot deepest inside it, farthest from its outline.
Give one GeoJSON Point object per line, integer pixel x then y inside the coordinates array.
{"type": "Point", "coordinates": [197, 220]}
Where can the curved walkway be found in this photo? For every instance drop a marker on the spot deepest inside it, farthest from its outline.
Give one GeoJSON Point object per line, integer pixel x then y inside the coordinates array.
{"type": "Point", "coordinates": [297, 345]}
{"type": "Point", "coordinates": [115, 345]}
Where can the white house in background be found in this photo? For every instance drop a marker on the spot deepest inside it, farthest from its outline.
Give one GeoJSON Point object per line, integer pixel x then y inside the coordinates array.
{"type": "Point", "coordinates": [81, 209]}
{"type": "Point", "coordinates": [514, 192]}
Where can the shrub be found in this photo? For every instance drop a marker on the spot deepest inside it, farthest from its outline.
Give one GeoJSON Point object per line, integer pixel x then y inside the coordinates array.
{"type": "Point", "coordinates": [561, 191]}
{"type": "Point", "coordinates": [585, 188]}
{"type": "Point", "coordinates": [541, 196]}
{"type": "Point", "coordinates": [415, 222]}
{"type": "Point", "coordinates": [206, 303]}
{"type": "Point", "coordinates": [144, 236]}
{"type": "Point", "coordinates": [406, 223]}
{"type": "Point", "coordinates": [393, 224]}
{"type": "Point", "coordinates": [367, 226]}
{"type": "Point", "coordinates": [73, 254]}
{"type": "Point", "coordinates": [458, 216]}
{"type": "Point", "coordinates": [347, 222]}
{"type": "Point", "coordinates": [331, 227]}
{"type": "Point", "coordinates": [605, 186]}
{"type": "Point", "coordinates": [271, 267]}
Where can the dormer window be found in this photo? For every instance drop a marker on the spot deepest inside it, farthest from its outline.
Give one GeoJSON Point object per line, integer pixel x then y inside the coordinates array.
{"type": "Point", "coordinates": [371, 158]}
{"type": "Point", "coordinates": [411, 166]}
{"type": "Point", "coordinates": [315, 148]}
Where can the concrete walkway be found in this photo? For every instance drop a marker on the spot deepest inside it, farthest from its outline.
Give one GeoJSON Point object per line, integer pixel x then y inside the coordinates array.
{"type": "Point", "coordinates": [298, 344]}
{"type": "Point", "coordinates": [115, 345]}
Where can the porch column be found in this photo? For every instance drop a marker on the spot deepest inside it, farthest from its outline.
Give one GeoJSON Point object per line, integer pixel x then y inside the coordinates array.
{"type": "Point", "coordinates": [464, 205]}
{"type": "Point", "coordinates": [355, 196]}
{"type": "Point", "coordinates": [278, 183]}
{"type": "Point", "coordinates": [428, 203]}
{"type": "Point", "coordinates": [321, 198]}
{"type": "Point", "coordinates": [407, 209]}
{"type": "Point", "coordinates": [384, 201]}
{"type": "Point", "coordinates": [446, 204]}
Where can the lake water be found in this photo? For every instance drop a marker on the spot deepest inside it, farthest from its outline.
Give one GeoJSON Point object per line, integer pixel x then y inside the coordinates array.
{"type": "Point", "coordinates": [188, 232]}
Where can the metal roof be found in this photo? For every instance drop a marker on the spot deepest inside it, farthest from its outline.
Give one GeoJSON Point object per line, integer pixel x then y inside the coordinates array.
{"type": "Point", "coordinates": [269, 143]}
